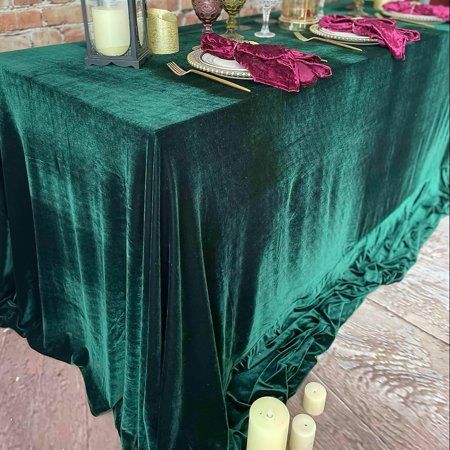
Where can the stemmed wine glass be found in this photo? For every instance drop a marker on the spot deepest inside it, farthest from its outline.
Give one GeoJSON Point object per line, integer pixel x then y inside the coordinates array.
{"type": "Point", "coordinates": [232, 7]}
{"type": "Point", "coordinates": [207, 11]}
{"type": "Point", "coordinates": [267, 6]}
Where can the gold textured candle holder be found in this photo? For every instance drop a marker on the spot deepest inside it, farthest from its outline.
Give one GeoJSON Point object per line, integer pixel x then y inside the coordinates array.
{"type": "Point", "coordinates": [298, 14]}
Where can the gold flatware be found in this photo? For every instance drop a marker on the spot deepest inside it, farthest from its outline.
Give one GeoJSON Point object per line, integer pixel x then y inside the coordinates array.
{"type": "Point", "coordinates": [302, 38]}
{"type": "Point", "coordinates": [414, 22]}
{"type": "Point", "coordinates": [177, 70]}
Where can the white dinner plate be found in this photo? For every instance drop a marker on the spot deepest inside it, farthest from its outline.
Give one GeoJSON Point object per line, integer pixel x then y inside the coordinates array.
{"type": "Point", "coordinates": [218, 66]}
{"type": "Point", "coordinates": [350, 38]}
{"type": "Point", "coordinates": [419, 18]}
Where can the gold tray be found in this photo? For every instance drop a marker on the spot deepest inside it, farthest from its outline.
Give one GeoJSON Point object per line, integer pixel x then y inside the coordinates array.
{"type": "Point", "coordinates": [350, 38]}
{"type": "Point", "coordinates": [417, 17]}
{"type": "Point", "coordinates": [212, 64]}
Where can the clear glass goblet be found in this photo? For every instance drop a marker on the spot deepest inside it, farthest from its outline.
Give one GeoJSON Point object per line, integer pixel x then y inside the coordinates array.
{"type": "Point", "coordinates": [267, 6]}
{"type": "Point", "coordinates": [207, 11]}
{"type": "Point", "coordinates": [232, 7]}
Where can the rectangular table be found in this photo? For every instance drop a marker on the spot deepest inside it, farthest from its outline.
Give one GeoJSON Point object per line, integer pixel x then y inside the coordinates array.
{"type": "Point", "coordinates": [191, 247]}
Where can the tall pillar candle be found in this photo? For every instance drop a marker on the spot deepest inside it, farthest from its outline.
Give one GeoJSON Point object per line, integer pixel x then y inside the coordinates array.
{"type": "Point", "coordinates": [303, 433]}
{"type": "Point", "coordinates": [314, 399]}
{"type": "Point", "coordinates": [268, 425]}
{"type": "Point", "coordinates": [111, 29]}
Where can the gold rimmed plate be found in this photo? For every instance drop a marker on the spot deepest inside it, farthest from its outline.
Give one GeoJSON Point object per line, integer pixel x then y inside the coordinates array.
{"type": "Point", "coordinates": [200, 60]}
{"type": "Point", "coordinates": [350, 38]}
{"type": "Point", "coordinates": [416, 17]}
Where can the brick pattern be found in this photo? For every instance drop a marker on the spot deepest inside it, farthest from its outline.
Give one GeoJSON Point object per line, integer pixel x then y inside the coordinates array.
{"type": "Point", "coordinates": [32, 23]}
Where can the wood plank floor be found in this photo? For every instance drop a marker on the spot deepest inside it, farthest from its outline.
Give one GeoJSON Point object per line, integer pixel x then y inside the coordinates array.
{"type": "Point", "coordinates": [387, 375]}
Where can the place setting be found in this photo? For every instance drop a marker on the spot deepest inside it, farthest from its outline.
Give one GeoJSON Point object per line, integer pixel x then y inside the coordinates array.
{"type": "Point", "coordinates": [232, 56]}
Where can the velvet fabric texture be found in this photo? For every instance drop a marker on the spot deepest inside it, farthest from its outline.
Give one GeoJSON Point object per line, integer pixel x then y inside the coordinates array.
{"type": "Point", "coordinates": [273, 65]}
{"type": "Point", "coordinates": [407, 7]}
{"type": "Point", "coordinates": [385, 31]}
{"type": "Point", "coordinates": [191, 247]}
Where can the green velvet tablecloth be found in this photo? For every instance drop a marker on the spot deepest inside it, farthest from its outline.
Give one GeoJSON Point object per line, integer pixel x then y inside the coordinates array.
{"type": "Point", "coordinates": [191, 247]}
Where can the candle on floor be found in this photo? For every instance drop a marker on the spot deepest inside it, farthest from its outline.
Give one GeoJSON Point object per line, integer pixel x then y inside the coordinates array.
{"type": "Point", "coordinates": [111, 29]}
{"type": "Point", "coordinates": [314, 399]}
{"type": "Point", "coordinates": [268, 425]}
{"type": "Point", "coordinates": [303, 432]}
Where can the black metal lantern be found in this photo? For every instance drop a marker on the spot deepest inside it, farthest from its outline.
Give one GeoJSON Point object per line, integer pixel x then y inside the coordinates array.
{"type": "Point", "coordinates": [116, 32]}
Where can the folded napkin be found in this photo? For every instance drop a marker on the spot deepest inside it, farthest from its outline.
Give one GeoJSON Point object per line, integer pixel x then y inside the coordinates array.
{"type": "Point", "coordinates": [269, 64]}
{"type": "Point", "coordinates": [385, 31]}
{"type": "Point", "coordinates": [407, 7]}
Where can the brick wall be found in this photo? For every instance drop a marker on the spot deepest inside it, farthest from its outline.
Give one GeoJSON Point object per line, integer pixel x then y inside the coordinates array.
{"type": "Point", "coordinates": [32, 23]}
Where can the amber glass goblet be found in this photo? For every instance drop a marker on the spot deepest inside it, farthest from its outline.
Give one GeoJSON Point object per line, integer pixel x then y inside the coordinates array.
{"type": "Point", "coordinates": [232, 7]}
{"type": "Point", "coordinates": [207, 11]}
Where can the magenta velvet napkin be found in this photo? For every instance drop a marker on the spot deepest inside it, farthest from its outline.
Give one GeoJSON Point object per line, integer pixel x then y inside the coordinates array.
{"type": "Point", "coordinates": [407, 7]}
{"type": "Point", "coordinates": [385, 31]}
{"type": "Point", "coordinates": [269, 64]}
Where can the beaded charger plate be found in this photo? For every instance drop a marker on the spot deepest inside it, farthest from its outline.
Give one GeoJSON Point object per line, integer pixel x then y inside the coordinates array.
{"type": "Point", "coordinates": [350, 38]}
{"type": "Point", "coordinates": [418, 17]}
{"type": "Point", "coordinates": [218, 66]}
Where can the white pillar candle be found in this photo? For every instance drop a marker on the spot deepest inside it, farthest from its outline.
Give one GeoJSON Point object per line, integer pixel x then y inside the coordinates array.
{"type": "Point", "coordinates": [303, 432]}
{"type": "Point", "coordinates": [111, 29]}
{"type": "Point", "coordinates": [314, 399]}
{"type": "Point", "coordinates": [268, 425]}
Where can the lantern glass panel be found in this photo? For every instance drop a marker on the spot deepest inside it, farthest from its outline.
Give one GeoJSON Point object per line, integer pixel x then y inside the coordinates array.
{"type": "Point", "coordinates": [109, 27]}
{"type": "Point", "coordinates": [140, 18]}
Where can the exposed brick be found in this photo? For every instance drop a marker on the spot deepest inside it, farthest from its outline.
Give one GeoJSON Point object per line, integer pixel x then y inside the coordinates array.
{"type": "Point", "coordinates": [25, 2]}
{"type": "Point", "coordinates": [171, 5]}
{"type": "Point", "coordinates": [46, 36]}
{"type": "Point", "coordinates": [60, 15]}
{"type": "Point", "coordinates": [19, 20]}
{"type": "Point", "coordinates": [186, 4]}
{"type": "Point", "coordinates": [73, 33]}
{"type": "Point", "coordinates": [15, 42]}
{"type": "Point", "coordinates": [191, 18]}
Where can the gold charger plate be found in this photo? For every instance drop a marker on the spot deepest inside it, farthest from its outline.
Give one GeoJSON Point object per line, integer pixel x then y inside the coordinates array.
{"type": "Point", "coordinates": [417, 17]}
{"type": "Point", "coordinates": [349, 38]}
{"type": "Point", "coordinates": [212, 64]}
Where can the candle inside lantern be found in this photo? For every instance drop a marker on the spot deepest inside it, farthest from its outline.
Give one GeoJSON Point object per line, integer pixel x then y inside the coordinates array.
{"type": "Point", "coordinates": [268, 425]}
{"type": "Point", "coordinates": [303, 432]}
{"type": "Point", "coordinates": [111, 29]}
{"type": "Point", "coordinates": [314, 399]}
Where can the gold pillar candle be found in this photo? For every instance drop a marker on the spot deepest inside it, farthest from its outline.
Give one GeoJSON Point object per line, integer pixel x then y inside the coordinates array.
{"type": "Point", "coordinates": [162, 28]}
{"type": "Point", "coordinates": [303, 433]}
{"type": "Point", "coordinates": [111, 29]}
{"type": "Point", "coordinates": [314, 398]}
{"type": "Point", "coordinates": [268, 426]}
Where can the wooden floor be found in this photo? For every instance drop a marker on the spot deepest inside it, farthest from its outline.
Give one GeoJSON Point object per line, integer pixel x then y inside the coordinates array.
{"type": "Point", "coordinates": [387, 375]}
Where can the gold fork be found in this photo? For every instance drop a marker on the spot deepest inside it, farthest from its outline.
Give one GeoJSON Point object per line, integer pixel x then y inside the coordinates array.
{"type": "Point", "coordinates": [414, 22]}
{"type": "Point", "coordinates": [177, 70]}
{"type": "Point", "coordinates": [302, 38]}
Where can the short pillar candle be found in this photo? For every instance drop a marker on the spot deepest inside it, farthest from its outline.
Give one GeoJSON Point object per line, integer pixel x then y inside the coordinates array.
{"type": "Point", "coordinates": [314, 399]}
{"type": "Point", "coordinates": [303, 433]}
{"type": "Point", "coordinates": [268, 426]}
